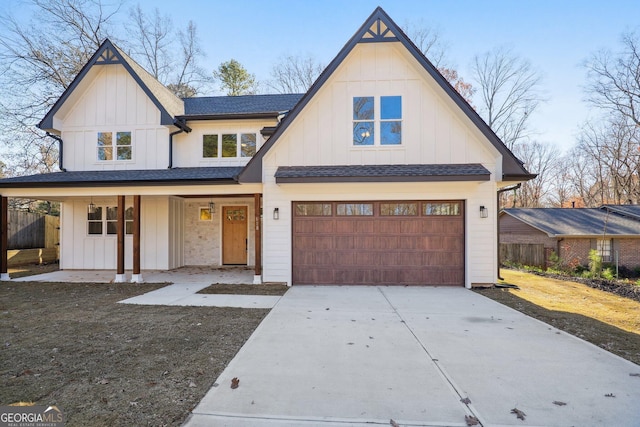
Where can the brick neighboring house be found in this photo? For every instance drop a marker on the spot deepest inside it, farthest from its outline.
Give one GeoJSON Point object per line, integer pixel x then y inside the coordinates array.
{"type": "Point", "coordinates": [614, 230]}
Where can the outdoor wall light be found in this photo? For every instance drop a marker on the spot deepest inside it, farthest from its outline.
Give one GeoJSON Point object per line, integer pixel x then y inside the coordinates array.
{"type": "Point", "coordinates": [212, 206]}
{"type": "Point", "coordinates": [91, 208]}
{"type": "Point", "coordinates": [276, 213]}
{"type": "Point", "coordinates": [484, 212]}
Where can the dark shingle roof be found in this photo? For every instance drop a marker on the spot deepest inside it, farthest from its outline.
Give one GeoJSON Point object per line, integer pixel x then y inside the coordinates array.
{"type": "Point", "coordinates": [245, 104]}
{"type": "Point", "coordinates": [631, 211]}
{"type": "Point", "coordinates": [576, 222]}
{"type": "Point", "coordinates": [117, 178]}
{"type": "Point", "coordinates": [383, 173]}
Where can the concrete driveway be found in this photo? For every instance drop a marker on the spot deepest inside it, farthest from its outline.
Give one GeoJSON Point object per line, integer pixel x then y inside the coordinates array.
{"type": "Point", "coordinates": [351, 356]}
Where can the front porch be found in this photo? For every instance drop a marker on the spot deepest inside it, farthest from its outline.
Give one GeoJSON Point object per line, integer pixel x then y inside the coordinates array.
{"type": "Point", "coordinates": [187, 275]}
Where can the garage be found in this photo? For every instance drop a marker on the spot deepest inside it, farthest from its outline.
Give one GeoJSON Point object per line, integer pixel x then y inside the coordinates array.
{"type": "Point", "coordinates": [378, 243]}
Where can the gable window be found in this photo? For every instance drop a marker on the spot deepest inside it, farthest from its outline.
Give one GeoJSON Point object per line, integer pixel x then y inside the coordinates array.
{"type": "Point", "coordinates": [108, 151]}
{"type": "Point", "coordinates": [363, 115]}
{"type": "Point", "coordinates": [390, 120]}
{"type": "Point", "coordinates": [366, 121]}
{"type": "Point", "coordinates": [105, 219]}
{"type": "Point", "coordinates": [229, 145]}
{"type": "Point", "coordinates": [603, 246]}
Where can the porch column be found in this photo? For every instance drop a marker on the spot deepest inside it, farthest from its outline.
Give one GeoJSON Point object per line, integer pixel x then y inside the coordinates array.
{"type": "Point", "coordinates": [136, 277]}
{"type": "Point", "coordinates": [4, 238]}
{"type": "Point", "coordinates": [120, 227]}
{"type": "Point", "coordinates": [257, 278]}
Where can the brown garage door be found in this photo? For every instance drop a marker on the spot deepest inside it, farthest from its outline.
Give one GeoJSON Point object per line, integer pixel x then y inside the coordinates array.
{"type": "Point", "coordinates": [371, 243]}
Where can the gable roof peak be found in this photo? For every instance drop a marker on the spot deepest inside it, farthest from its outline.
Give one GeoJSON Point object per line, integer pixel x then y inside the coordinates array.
{"type": "Point", "coordinates": [110, 54]}
{"type": "Point", "coordinates": [379, 27]}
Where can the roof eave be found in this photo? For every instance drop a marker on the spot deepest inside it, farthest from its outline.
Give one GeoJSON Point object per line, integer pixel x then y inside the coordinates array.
{"type": "Point", "coordinates": [382, 178]}
{"type": "Point", "coordinates": [232, 116]}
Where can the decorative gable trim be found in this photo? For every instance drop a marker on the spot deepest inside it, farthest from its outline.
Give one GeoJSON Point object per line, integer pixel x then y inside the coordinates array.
{"type": "Point", "coordinates": [107, 54]}
{"type": "Point", "coordinates": [378, 32]}
{"type": "Point", "coordinates": [379, 27]}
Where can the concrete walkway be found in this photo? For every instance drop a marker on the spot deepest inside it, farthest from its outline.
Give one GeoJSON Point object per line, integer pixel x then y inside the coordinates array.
{"type": "Point", "coordinates": [182, 286]}
{"type": "Point", "coordinates": [357, 356]}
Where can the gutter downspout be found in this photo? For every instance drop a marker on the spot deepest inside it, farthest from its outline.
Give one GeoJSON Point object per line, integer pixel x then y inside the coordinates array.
{"type": "Point", "coordinates": [60, 147]}
{"type": "Point", "coordinates": [502, 190]}
{"type": "Point", "coordinates": [182, 127]}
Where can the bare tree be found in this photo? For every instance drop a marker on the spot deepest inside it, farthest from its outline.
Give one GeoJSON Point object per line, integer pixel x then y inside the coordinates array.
{"type": "Point", "coordinates": [610, 148]}
{"type": "Point", "coordinates": [38, 61]}
{"type": "Point", "coordinates": [154, 43]}
{"type": "Point", "coordinates": [614, 79]}
{"type": "Point", "coordinates": [294, 73]}
{"type": "Point", "coordinates": [509, 90]}
{"type": "Point", "coordinates": [428, 40]}
{"type": "Point", "coordinates": [544, 160]}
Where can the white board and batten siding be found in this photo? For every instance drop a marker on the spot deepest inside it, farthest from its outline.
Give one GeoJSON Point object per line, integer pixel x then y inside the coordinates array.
{"type": "Point", "coordinates": [434, 131]}
{"type": "Point", "coordinates": [188, 146]}
{"type": "Point", "coordinates": [80, 250]}
{"type": "Point", "coordinates": [114, 102]}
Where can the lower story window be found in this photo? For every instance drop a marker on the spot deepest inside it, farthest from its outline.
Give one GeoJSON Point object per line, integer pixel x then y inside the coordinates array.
{"type": "Point", "coordinates": [354, 209]}
{"type": "Point", "coordinates": [603, 247]}
{"type": "Point", "coordinates": [105, 218]}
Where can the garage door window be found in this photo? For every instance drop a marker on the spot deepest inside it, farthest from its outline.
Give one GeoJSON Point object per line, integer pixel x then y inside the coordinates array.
{"type": "Point", "coordinates": [398, 209]}
{"type": "Point", "coordinates": [313, 209]}
{"type": "Point", "coordinates": [354, 209]}
{"type": "Point", "coordinates": [447, 209]}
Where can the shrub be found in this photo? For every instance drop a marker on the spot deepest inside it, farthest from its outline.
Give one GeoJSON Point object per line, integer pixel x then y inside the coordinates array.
{"type": "Point", "coordinates": [608, 273]}
{"type": "Point", "coordinates": [595, 263]}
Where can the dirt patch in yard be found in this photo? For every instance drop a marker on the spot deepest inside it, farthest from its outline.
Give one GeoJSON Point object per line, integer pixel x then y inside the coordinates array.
{"type": "Point", "coordinates": [104, 363]}
{"type": "Point", "coordinates": [604, 319]}
{"type": "Point", "coordinates": [235, 289]}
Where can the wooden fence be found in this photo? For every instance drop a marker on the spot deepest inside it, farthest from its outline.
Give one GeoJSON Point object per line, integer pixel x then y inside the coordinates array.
{"type": "Point", "coordinates": [28, 230]}
{"type": "Point", "coordinates": [524, 254]}
{"type": "Point", "coordinates": [32, 238]}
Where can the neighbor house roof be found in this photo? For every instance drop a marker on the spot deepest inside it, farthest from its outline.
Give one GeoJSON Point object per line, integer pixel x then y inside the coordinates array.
{"type": "Point", "coordinates": [118, 178]}
{"type": "Point", "coordinates": [379, 27]}
{"type": "Point", "coordinates": [630, 211]}
{"type": "Point", "coordinates": [382, 173]}
{"type": "Point", "coordinates": [585, 222]}
{"type": "Point", "coordinates": [208, 107]}
{"type": "Point", "coordinates": [108, 54]}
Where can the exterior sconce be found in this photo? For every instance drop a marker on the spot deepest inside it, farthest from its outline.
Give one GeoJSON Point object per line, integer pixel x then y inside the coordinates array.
{"type": "Point", "coordinates": [276, 213]}
{"type": "Point", "coordinates": [91, 208]}
{"type": "Point", "coordinates": [484, 212]}
{"type": "Point", "coordinates": [212, 207]}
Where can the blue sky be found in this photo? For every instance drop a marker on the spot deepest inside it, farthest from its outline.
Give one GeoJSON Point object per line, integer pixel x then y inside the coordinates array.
{"type": "Point", "coordinates": [556, 36]}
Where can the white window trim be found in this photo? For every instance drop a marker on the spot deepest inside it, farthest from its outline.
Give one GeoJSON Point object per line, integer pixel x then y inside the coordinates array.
{"type": "Point", "coordinates": [114, 146]}
{"type": "Point", "coordinates": [377, 124]}
{"type": "Point", "coordinates": [238, 135]}
{"type": "Point", "coordinates": [104, 222]}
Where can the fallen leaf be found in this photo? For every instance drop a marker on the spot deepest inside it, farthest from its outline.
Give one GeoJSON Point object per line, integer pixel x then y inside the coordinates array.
{"type": "Point", "coordinates": [235, 382]}
{"type": "Point", "coordinates": [556, 402]}
{"type": "Point", "coordinates": [103, 381]}
{"type": "Point", "coordinates": [192, 384]}
{"type": "Point", "coordinates": [519, 414]}
{"type": "Point", "coordinates": [466, 400]}
{"type": "Point", "coordinates": [393, 423]}
{"type": "Point", "coordinates": [471, 420]}
{"type": "Point", "coordinates": [610, 395]}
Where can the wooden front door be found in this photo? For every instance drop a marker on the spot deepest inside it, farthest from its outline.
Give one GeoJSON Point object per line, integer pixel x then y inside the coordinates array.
{"type": "Point", "coordinates": [234, 235]}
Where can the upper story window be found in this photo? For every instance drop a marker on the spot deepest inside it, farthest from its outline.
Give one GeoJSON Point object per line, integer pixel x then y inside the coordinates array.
{"type": "Point", "coordinates": [229, 145]}
{"type": "Point", "coordinates": [108, 151]}
{"type": "Point", "coordinates": [389, 120]}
